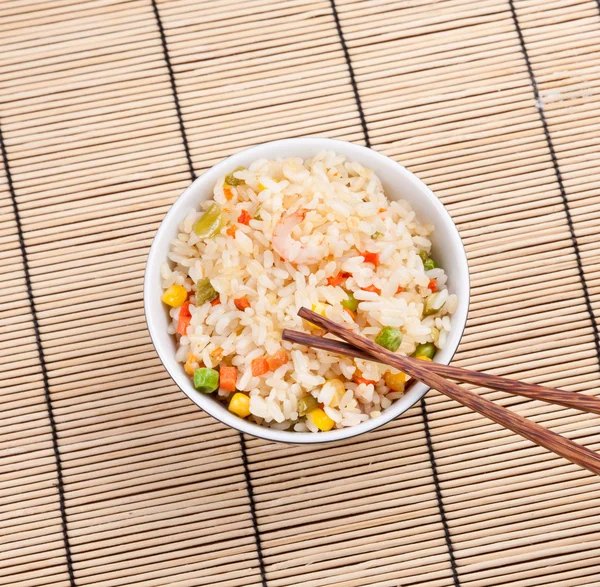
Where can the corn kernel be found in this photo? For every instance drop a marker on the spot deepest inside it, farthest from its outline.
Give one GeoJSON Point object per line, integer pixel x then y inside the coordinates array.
{"type": "Point", "coordinates": [175, 296]}
{"type": "Point", "coordinates": [191, 364]}
{"type": "Point", "coordinates": [261, 187]}
{"type": "Point", "coordinates": [320, 419]}
{"type": "Point", "coordinates": [338, 391]}
{"type": "Point", "coordinates": [319, 308]}
{"type": "Point", "coordinates": [395, 381]}
{"type": "Point", "coordinates": [240, 405]}
{"type": "Point", "coordinates": [423, 358]}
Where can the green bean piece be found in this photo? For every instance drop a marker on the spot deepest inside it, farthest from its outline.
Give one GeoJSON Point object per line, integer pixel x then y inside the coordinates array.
{"type": "Point", "coordinates": [426, 349]}
{"type": "Point", "coordinates": [210, 223]}
{"type": "Point", "coordinates": [306, 404]}
{"type": "Point", "coordinates": [205, 292]}
{"type": "Point", "coordinates": [351, 303]}
{"type": "Point", "coordinates": [206, 380]}
{"type": "Point", "coordinates": [389, 338]}
{"type": "Point", "coordinates": [429, 308]}
{"type": "Point", "coordinates": [230, 179]}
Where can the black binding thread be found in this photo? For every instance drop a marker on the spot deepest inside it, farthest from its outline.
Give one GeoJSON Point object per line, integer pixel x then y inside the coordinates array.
{"type": "Point", "coordinates": [436, 481]}
{"type": "Point", "coordinates": [245, 462]}
{"type": "Point", "coordinates": [38, 340]}
{"type": "Point", "coordinates": [361, 114]}
{"type": "Point", "coordinates": [563, 193]}
{"type": "Point", "coordinates": [163, 40]}
{"type": "Point", "coordinates": [250, 488]}
{"type": "Point", "coordinates": [438, 494]}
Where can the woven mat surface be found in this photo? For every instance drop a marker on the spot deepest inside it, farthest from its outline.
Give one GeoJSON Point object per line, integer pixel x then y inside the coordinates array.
{"type": "Point", "coordinates": [109, 476]}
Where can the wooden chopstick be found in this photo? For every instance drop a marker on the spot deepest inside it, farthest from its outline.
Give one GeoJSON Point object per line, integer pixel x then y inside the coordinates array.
{"type": "Point", "coordinates": [569, 399]}
{"type": "Point", "coordinates": [422, 371]}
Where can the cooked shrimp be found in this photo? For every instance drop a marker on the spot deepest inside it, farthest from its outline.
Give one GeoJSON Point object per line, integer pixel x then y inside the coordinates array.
{"type": "Point", "coordinates": [284, 244]}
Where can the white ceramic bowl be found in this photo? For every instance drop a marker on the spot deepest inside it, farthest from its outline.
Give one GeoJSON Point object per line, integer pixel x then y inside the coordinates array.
{"type": "Point", "coordinates": [398, 182]}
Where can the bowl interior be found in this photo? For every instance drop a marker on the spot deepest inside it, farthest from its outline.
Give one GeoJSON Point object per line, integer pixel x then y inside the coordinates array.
{"type": "Point", "coordinates": [398, 183]}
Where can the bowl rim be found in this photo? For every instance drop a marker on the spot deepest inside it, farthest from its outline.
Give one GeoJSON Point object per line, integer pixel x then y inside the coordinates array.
{"type": "Point", "coordinates": [217, 410]}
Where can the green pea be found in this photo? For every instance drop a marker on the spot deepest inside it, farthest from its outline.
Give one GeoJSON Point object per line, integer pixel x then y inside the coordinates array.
{"type": "Point", "coordinates": [206, 380]}
{"type": "Point", "coordinates": [424, 255]}
{"type": "Point", "coordinates": [306, 404]}
{"type": "Point", "coordinates": [429, 264]}
{"type": "Point", "coordinates": [389, 338]}
{"type": "Point", "coordinates": [426, 349]}
{"type": "Point", "coordinates": [377, 235]}
{"type": "Point", "coordinates": [230, 179]}
{"type": "Point", "coordinates": [210, 223]}
{"type": "Point", "coordinates": [205, 292]}
{"type": "Point", "coordinates": [351, 303]}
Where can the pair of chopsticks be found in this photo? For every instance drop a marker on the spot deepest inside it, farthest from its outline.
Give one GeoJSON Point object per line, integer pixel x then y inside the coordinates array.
{"type": "Point", "coordinates": [436, 376]}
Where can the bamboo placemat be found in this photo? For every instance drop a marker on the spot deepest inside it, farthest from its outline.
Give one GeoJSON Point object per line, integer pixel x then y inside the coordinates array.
{"type": "Point", "coordinates": [109, 476]}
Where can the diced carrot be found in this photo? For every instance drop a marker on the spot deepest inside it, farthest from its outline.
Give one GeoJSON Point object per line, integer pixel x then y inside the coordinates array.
{"type": "Point", "coordinates": [350, 313]}
{"type": "Point", "coordinates": [184, 319]}
{"type": "Point", "coordinates": [337, 279]}
{"type": "Point", "coordinates": [227, 193]}
{"type": "Point", "coordinates": [244, 217]}
{"type": "Point", "coordinates": [216, 301]}
{"type": "Point", "coordinates": [381, 210]}
{"type": "Point", "coordinates": [372, 288]}
{"type": "Point", "coordinates": [231, 230]}
{"type": "Point", "coordinates": [432, 285]}
{"type": "Point", "coordinates": [227, 378]}
{"type": "Point", "coordinates": [360, 380]}
{"type": "Point", "coordinates": [371, 258]}
{"type": "Point", "coordinates": [241, 303]}
{"type": "Point", "coordinates": [400, 289]}
{"type": "Point", "coordinates": [279, 358]}
{"type": "Point", "coordinates": [259, 366]}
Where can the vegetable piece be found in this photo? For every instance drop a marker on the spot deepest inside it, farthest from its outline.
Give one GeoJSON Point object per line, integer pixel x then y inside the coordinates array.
{"type": "Point", "coordinates": [395, 381]}
{"type": "Point", "coordinates": [206, 380]}
{"type": "Point", "coordinates": [191, 364]}
{"type": "Point", "coordinates": [320, 419]}
{"type": "Point", "coordinates": [210, 223]}
{"type": "Point", "coordinates": [429, 264]}
{"type": "Point", "coordinates": [426, 349]}
{"type": "Point", "coordinates": [230, 179]}
{"type": "Point", "coordinates": [244, 217]}
{"type": "Point", "coordinates": [278, 359]}
{"type": "Point", "coordinates": [377, 235]}
{"type": "Point", "coordinates": [227, 193]}
{"type": "Point", "coordinates": [319, 308]}
{"type": "Point", "coordinates": [338, 389]}
{"type": "Point", "coordinates": [424, 255]}
{"type": "Point", "coordinates": [351, 303]}
{"type": "Point", "coordinates": [240, 405]}
{"type": "Point", "coordinates": [372, 288]}
{"type": "Point", "coordinates": [431, 306]}
{"type": "Point", "coordinates": [432, 285]}
{"type": "Point", "coordinates": [205, 292]}
{"type": "Point", "coordinates": [216, 301]}
{"type": "Point", "coordinates": [241, 303]}
{"type": "Point", "coordinates": [400, 289]}
{"type": "Point", "coordinates": [358, 378]}
{"type": "Point", "coordinates": [307, 404]}
{"type": "Point", "coordinates": [231, 231]}
{"type": "Point", "coordinates": [389, 338]}
{"type": "Point", "coordinates": [371, 258]}
{"type": "Point", "coordinates": [259, 366]}
{"type": "Point", "coordinates": [184, 319]}
{"type": "Point", "coordinates": [228, 377]}
{"type": "Point", "coordinates": [423, 358]}
{"type": "Point", "coordinates": [337, 279]}
{"type": "Point", "coordinates": [175, 296]}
